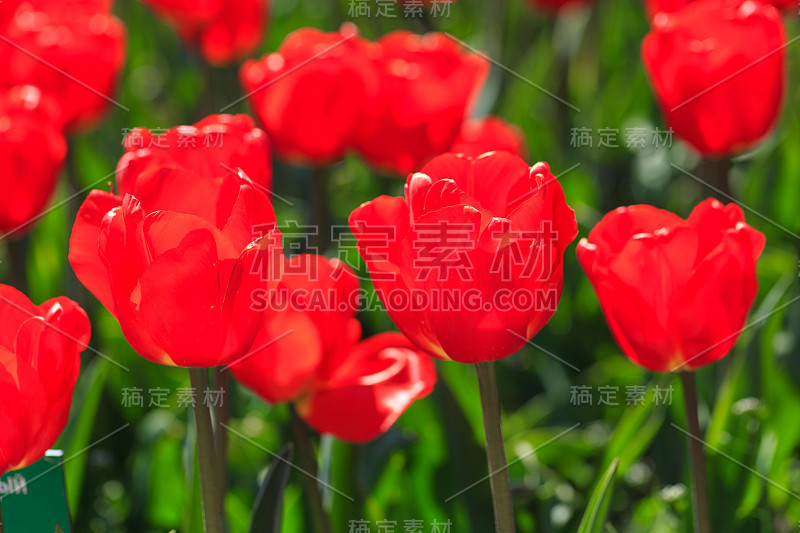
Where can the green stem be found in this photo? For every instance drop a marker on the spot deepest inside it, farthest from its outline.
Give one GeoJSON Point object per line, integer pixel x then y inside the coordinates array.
{"type": "Point", "coordinates": [222, 413]}
{"type": "Point", "coordinates": [716, 175]}
{"type": "Point", "coordinates": [321, 217]}
{"type": "Point", "coordinates": [74, 289]}
{"type": "Point", "coordinates": [213, 513]}
{"type": "Point", "coordinates": [17, 249]}
{"type": "Point", "coordinates": [697, 458]}
{"type": "Point", "coordinates": [495, 449]}
{"type": "Point", "coordinates": [308, 462]}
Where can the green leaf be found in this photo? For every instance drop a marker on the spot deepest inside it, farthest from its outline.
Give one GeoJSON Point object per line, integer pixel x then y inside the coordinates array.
{"type": "Point", "coordinates": [594, 519]}
{"type": "Point", "coordinates": [268, 508]}
{"type": "Point", "coordinates": [166, 487]}
{"type": "Point", "coordinates": [88, 395]}
{"type": "Point", "coordinates": [634, 433]}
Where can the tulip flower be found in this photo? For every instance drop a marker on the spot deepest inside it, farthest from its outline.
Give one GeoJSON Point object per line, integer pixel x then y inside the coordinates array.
{"type": "Point", "coordinates": [671, 6]}
{"type": "Point", "coordinates": [309, 351]}
{"type": "Point", "coordinates": [469, 266]}
{"type": "Point", "coordinates": [311, 113]}
{"type": "Point", "coordinates": [39, 365]}
{"type": "Point", "coordinates": [718, 69]}
{"type": "Point", "coordinates": [222, 31]}
{"type": "Point", "coordinates": [488, 231]}
{"type": "Point", "coordinates": [426, 87]}
{"type": "Point", "coordinates": [675, 292]}
{"type": "Point", "coordinates": [62, 7]}
{"type": "Point", "coordinates": [175, 260]}
{"type": "Point", "coordinates": [32, 151]}
{"type": "Point", "coordinates": [215, 145]}
{"type": "Point", "coordinates": [73, 51]}
{"type": "Point", "coordinates": [490, 134]}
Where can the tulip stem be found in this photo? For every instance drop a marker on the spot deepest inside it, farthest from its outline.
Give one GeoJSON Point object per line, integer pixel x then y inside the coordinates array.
{"type": "Point", "coordinates": [308, 462]}
{"type": "Point", "coordinates": [17, 262]}
{"type": "Point", "coordinates": [716, 174]}
{"type": "Point", "coordinates": [697, 458]}
{"type": "Point", "coordinates": [495, 448]}
{"type": "Point", "coordinates": [222, 412]}
{"type": "Point", "coordinates": [321, 217]}
{"type": "Point", "coordinates": [213, 513]}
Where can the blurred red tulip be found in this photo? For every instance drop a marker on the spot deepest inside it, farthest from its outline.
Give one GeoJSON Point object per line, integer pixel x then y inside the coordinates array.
{"type": "Point", "coordinates": [222, 31]}
{"type": "Point", "coordinates": [675, 292]}
{"type": "Point", "coordinates": [63, 7]}
{"type": "Point", "coordinates": [490, 134]}
{"type": "Point", "coordinates": [469, 264]}
{"type": "Point", "coordinates": [175, 261]}
{"type": "Point", "coordinates": [663, 6]}
{"type": "Point", "coordinates": [671, 6]}
{"type": "Point", "coordinates": [218, 144]}
{"type": "Point", "coordinates": [305, 309]}
{"type": "Point", "coordinates": [69, 50]}
{"type": "Point", "coordinates": [39, 365]}
{"type": "Point", "coordinates": [718, 69]}
{"type": "Point", "coordinates": [308, 350]}
{"type": "Point", "coordinates": [427, 85]}
{"type": "Point", "coordinates": [381, 377]}
{"type": "Point", "coordinates": [32, 151]}
{"type": "Point", "coordinates": [311, 113]}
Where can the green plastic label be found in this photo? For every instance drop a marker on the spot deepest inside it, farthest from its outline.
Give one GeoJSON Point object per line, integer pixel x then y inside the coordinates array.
{"type": "Point", "coordinates": [34, 498]}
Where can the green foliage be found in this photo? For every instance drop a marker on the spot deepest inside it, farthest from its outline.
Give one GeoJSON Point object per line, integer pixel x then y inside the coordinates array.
{"type": "Point", "coordinates": [594, 520]}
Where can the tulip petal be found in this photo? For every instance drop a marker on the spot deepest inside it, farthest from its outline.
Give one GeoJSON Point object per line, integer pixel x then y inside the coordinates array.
{"type": "Point", "coordinates": [447, 265]}
{"type": "Point", "coordinates": [177, 189]}
{"type": "Point", "coordinates": [84, 246]}
{"type": "Point", "coordinates": [710, 310]}
{"type": "Point", "coordinates": [617, 227]}
{"type": "Point", "coordinates": [21, 389]}
{"type": "Point", "coordinates": [283, 358]}
{"type": "Point", "coordinates": [15, 308]}
{"type": "Point", "coordinates": [384, 376]}
{"type": "Point", "coordinates": [257, 272]}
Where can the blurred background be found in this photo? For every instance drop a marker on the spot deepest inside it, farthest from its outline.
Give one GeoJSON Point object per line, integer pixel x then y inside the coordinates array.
{"type": "Point", "coordinates": [141, 479]}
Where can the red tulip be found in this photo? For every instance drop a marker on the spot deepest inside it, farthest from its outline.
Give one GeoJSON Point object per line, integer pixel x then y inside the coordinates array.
{"type": "Point", "coordinates": [427, 85]}
{"type": "Point", "coordinates": [381, 377]}
{"type": "Point", "coordinates": [32, 151]}
{"type": "Point", "coordinates": [63, 7]}
{"type": "Point", "coordinates": [675, 292]}
{"type": "Point", "coordinates": [39, 364]}
{"type": "Point", "coordinates": [222, 31]}
{"type": "Point", "coordinates": [718, 69]}
{"type": "Point", "coordinates": [671, 6]}
{"type": "Point", "coordinates": [175, 261]}
{"type": "Point", "coordinates": [7, 11]}
{"type": "Point", "coordinates": [491, 134]}
{"type": "Point", "coordinates": [70, 51]}
{"type": "Point", "coordinates": [216, 145]}
{"type": "Point", "coordinates": [469, 264]}
{"type": "Point", "coordinates": [309, 351]}
{"type": "Point", "coordinates": [281, 371]}
{"type": "Point", "coordinates": [664, 6]}
{"type": "Point", "coordinates": [309, 94]}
